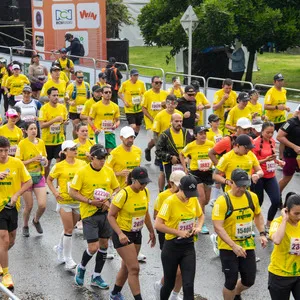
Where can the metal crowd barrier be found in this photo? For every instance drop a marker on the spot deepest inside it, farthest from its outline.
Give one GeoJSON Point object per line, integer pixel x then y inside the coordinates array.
{"type": "Point", "coordinates": [162, 71]}
{"type": "Point", "coordinates": [117, 63]}
{"type": "Point", "coordinates": [7, 292]}
{"type": "Point", "coordinates": [222, 79]}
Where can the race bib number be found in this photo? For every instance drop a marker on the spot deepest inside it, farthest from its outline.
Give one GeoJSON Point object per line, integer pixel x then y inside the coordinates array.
{"type": "Point", "coordinates": [204, 164]}
{"type": "Point", "coordinates": [61, 100]}
{"type": "Point", "coordinates": [186, 225]}
{"type": "Point", "coordinates": [156, 106]}
{"type": "Point", "coordinates": [101, 195]}
{"type": "Point", "coordinates": [18, 98]}
{"type": "Point", "coordinates": [243, 230]}
{"type": "Point", "coordinates": [295, 246]}
{"type": "Point", "coordinates": [79, 108]}
{"type": "Point", "coordinates": [217, 138]}
{"type": "Point", "coordinates": [271, 166]}
{"type": "Point", "coordinates": [137, 223]}
{"type": "Point", "coordinates": [28, 119]}
{"type": "Point", "coordinates": [12, 150]}
{"type": "Point", "coordinates": [107, 125]}
{"type": "Point", "coordinates": [136, 100]}
{"type": "Point", "coordinates": [177, 167]}
{"type": "Point", "coordinates": [55, 128]}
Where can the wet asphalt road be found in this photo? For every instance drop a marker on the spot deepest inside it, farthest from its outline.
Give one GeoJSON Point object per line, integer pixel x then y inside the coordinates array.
{"type": "Point", "coordinates": [38, 276]}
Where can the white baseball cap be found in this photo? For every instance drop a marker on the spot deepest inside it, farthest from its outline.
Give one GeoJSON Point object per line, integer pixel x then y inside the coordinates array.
{"type": "Point", "coordinates": [68, 144]}
{"type": "Point", "coordinates": [16, 66]}
{"type": "Point", "coordinates": [176, 176]}
{"type": "Point", "coordinates": [243, 123]}
{"type": "Point", "coordinates": [126, 132]}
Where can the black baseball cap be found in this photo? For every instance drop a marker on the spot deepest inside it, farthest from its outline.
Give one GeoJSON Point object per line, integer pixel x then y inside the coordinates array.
{"type": "Point", "coordinates": [198, 129]}
{"type": "Point", "coordinates": [244, 140]}
{"type": "Point", "coordinates": [98, 151]}
{"type": "Point", "coordinates": [278, 77]}
{"type": "Point", "coordinates": [134, 72]}
{"type": "Point", "coordinates": [195, 84]}
{"type": "Point", "coordinates": [243, 96]}
{"type": "Point", "coordinates": [63, 50]}
{"type": "Point", "coordinates": [213, 118]}
{"type": "Point", "coordinates": [141, 175]}
{"type": "Point", "coordinates": [96, 88]}
{"type": "Point", "coordinates": [240, 177]}
{"type": "Point", "coordinates": [188, 184]}
{"type": "Point", "coordinates": [189, 89]}
{"type": "Point", "coordinates": [55, 68]}
{"type": "Point", "coordinates": [101, 75]}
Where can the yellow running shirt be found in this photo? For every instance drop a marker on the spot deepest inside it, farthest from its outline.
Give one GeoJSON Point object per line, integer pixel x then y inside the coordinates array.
{"type": "Point", "coordinates": [133, 208]}
{"type": "Point", "coordinates": [275, 97]}
{"type": "Point", "coordinates": [14, 136]}
{"type": "Point", "coordinates": [285, 259]}
{"type": "Point", "coordinates": [239, 225]}
{"type": "Point", "coordinates": [86, 180]}
{"type": "Point", "coordinates": [161, 197]}
{"type": "Point", "coordinates": [178, 139]}
{"type": "Point", "coordinates": [27, 150]}
{"type": "Point", "coordinates": [62, 76]}
{"type": "Point", "coordinates": [214, 137]}
{"type": "Point", "coordinates": [64, 173]}
{"type": "Point", "coordinates": [81, 96]}
{"type": "Point", "coordinates": [61, 86]}
{"type": "Point", "coordinates": [200, 100]}
{"type": "Point", "coordinates": [162, 121]}
{"type": "Point", "coordinates": [257, 108]}
{"type": "Point", "coordinates": [199, 155]}
{"type": "Point", "coordinates": [133, 93]}
{"type": "Point", "coordinates": [82, 149]}
{"type": "Point", "coordinates": [152, 102]}
{"type": "Point", "coordinates": [231, 161]}
{"type": "Point", "coordinates": [86, 112]}
{"type": "Point", "coordinates": [64, 64]}
{"type": "Point", "coordinates": [17, 174]}
{"type": "Point", "coordinates": [105, 115]}
{"type": "Point", "coordinates": [120, 159]}
{"type": "Point", "coordinates": [53, 135]}
{"type": "Point", "coordinates": [16, 84]}
{"type": "Point", "coordinates": [4, 73]}
{"type": "Point", "coordinates": [177, 92]}
{"type": "Point", "coordinates": [229, 103]}
{"type": "Point", "coordinates": [236, 113]}
{"type": "Point", "coordinates": [179, 215]}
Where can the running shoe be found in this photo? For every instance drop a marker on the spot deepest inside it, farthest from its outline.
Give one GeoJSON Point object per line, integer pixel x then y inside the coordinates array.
{"type": "Point", "coordinates": [157, 287]}
{"type": "Point", "coordinates": [214, 241]}
{"type": "Point", "coordinates": [7, 281]}
{"type": "Point", "coordinates": [79, 276]}
{"type": "Point", "coordinates": [99, 282]}
{"type": "Point", "coordinates": [174, 296]}
{"type": "Point", "coordinates": [204, 230]}
{"type": "Point", "coordinates": [37, 226]}
{"type": "Point", "coordinates": [70, 264]}
{"type": "Point", "coordinates": [141, 257]}
{"type": "Point", "coordinates": [25, 231]}
{"type": "Point", "coordinates": [148, 154]}
{"type": "Point", "coordinates": [59, 252]}
{"type": "Point", "coordinates": [118, 296]}
{"type": "Point", "coordinates": [1, 270]}
{"type": "Point", "coordinates": [257, 259]}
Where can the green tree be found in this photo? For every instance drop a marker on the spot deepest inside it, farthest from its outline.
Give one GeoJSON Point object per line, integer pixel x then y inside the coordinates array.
{"type": "Point", "coordinates": [254, 22]}
{"type": "Point", "coordinates": [117, 15]}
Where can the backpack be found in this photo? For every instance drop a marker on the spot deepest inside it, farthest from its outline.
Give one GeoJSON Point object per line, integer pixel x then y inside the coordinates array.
{"type": "Point", "coordinates": [230, 209]}
{"type": "Point", "coordinates": [111, 76]}
{"type": "Point", "coordinates": [81, 50]}
{"type": "Point", "coordinates": [74, 93]}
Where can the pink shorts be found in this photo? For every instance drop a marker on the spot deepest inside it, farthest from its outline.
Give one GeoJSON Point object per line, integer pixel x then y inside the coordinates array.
{"type": "Point", "coordinates": [40, 184]}
{"type": "Point", "coordinates": [290, 167]}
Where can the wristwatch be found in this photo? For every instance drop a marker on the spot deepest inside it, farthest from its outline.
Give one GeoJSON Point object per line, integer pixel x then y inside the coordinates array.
{"type": "Point", "coordinates": [89, 201]}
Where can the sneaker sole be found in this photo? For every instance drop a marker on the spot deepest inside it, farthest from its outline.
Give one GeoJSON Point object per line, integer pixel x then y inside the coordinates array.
{"type": "Point", "coordinates": [70, 268]}
{"type": "Point", "coordinates": [101, 288]}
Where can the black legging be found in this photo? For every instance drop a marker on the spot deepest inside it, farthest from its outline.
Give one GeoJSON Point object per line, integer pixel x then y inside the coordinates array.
{"type": "Point", "coordinates": [172, 256]}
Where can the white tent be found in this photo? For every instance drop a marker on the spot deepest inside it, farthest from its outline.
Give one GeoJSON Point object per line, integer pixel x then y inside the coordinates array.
{"type": "Point", "coordinates": [132, 32]}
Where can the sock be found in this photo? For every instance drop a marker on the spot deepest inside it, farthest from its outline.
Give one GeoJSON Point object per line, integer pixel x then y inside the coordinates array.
{"type": "Point", "coordinates": [110, 244]}
{"type": "Point", "coordinates": [138, 297]}
{"type": "Point", "coordinates": [100, 259]}
{"type": "Point", "coordinates": [5, 271]}
{"type": "Point", "coordinates": [117, 289]}
{"type": "Point", "coordinates": [96, 275]}
{"type": "Point", "coordinates": [86, 258]}
{"type": "Point", "coordinates": [61, 241]}
{"type": "Point", "coordinates": [67, 246]}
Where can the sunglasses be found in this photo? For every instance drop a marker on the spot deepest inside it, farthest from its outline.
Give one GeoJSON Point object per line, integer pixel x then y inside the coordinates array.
{"type": "Point", "coordinates": [72, 149]}
{"type": "Point", "coordinates": [158, 82]}
{"type": "Point", "coordinates": [107, 92]}
{"type": "Point", "coordinates": [79, 77]}
{"type": "Point", "coordinates": [191, 95]}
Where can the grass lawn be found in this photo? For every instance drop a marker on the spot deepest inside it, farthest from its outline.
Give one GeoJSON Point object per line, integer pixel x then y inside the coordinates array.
{"type": "Point", "coordinates": [268, 63]}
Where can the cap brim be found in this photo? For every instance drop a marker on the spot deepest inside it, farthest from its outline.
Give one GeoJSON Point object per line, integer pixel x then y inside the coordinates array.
{"type": "Point", "coordinates": [134, 74]}
{"type": "Point", "coordinates": [250, 146]}
{"type": "Point", "coordinates": [190, 194]}
{"type": "Point", "coordinates": [9, 115]}
{"type": "Point", "coordinates": [144, 180]}
{"type": "Point", "coordinates": [127, 136]}
{"type": "Point", "coordinates": [240, 183]}
{"type": "Point", "coordinates": [258, 128]}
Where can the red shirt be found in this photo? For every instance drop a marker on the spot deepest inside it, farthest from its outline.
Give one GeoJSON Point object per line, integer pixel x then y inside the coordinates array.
{"type": "Point", "coordinates": [261, 153]}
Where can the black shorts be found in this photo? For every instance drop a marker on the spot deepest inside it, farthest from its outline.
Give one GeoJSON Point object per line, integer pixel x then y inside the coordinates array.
{"type": "Point", "coordinates": [161, 239]}
{"type": "Point", "coordinates": [278, 125]}
{"type": "Point", "coordinates": [53, 151]}
{"type": "Point", "coordinates": [135, 118]}
{"type": "Point", "coordinates": [134, 238]}
{"type": "Point", "coordinates": [232, 265]}
{"type": "Point", "coordinates": [96, 227]}
{"type": "Point", "coordinates": [203, 177]}
{"type": "Point", "coordinates": [74, 116]}
{"type": "Point", "coordinates": [9, 219]}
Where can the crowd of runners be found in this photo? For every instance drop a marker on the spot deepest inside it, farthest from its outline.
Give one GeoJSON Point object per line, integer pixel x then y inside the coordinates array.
{"type": "Point", "coordinates": [101, 187]}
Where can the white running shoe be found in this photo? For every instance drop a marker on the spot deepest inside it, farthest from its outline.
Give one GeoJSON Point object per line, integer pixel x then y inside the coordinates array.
{"type": "Point", "coordinates": [157, 287]}
{"type": "Point", "coordinates": [141, 257]}
{"type": "Point", "coordinates": [174, 296]}
{"type": "Point", "coordinates": [70, 264]}
{"type": "Point", "coordinates": [59, 253]}
{"type": "Point", "coordinates": [214, 241]}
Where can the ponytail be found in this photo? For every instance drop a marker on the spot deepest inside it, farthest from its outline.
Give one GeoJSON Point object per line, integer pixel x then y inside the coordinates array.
{"type": "Point", "coordinates": [291, 199]}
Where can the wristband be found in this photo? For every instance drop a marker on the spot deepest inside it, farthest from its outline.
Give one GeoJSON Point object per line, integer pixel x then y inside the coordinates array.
{"type": "Point", "coordinates": [89, 201]}
{"type": "Point", "coordinates": [262, 233]}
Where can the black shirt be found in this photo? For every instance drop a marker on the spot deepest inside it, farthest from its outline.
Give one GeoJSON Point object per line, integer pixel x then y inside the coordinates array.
{"type": "Point", "coordinates": [292, 128]}
{"type": "Point", "coordinates": [184, 106]}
